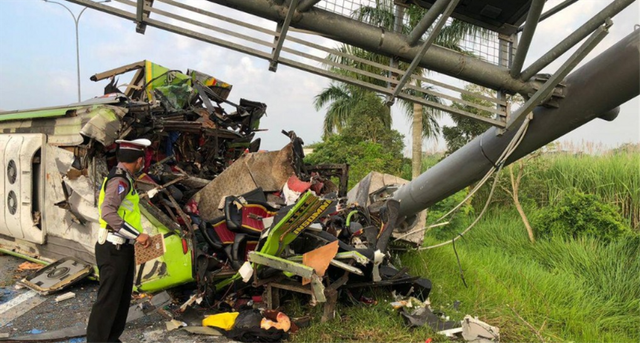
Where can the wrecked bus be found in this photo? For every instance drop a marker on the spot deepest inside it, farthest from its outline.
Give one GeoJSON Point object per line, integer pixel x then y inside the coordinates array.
{"type": "Point", "coordinates": [231, 215]}
{"type": "Point", "coordinates": [54, 159]}
{"type": "Point", "coordinates": [216, 200]}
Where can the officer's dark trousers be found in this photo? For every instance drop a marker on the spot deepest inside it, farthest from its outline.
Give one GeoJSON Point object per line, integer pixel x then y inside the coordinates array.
{"type": "Point", "coordinates": [109, 313]}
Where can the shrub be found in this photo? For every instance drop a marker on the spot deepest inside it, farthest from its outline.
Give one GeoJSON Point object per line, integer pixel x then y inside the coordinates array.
{"type": "Point", "coordinates": [578, 214]}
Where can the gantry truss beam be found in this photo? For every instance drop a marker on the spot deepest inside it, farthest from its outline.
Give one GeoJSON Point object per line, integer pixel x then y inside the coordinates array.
{"type": "Point", "coordinates": [304, 17]}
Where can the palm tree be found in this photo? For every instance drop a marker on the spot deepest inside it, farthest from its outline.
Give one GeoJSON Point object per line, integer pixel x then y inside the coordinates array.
{"type": "Point", "coordinates": [424, 120]}
{"type": "Point", "coordinates": [344, 100]}
{"type": "Point", "coordinates": [427, 122]}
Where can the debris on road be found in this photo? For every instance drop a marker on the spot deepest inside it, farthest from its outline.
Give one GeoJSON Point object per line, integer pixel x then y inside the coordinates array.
{"type": "Point", "coordinates": [66, 296]}
{"type": "Point", "coordinates": [29, 266]}
{"type": "Point", "coordinates": [174, 324]}
{"type": "Point", "coordinates": [58, 275]}
{"type": "Point", "coordinates": [202, 330]}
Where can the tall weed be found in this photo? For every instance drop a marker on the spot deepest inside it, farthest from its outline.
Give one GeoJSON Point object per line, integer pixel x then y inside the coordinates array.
{"type": "Point", "coordinates": [614, 177]}
{"type": "Point", "coordinates": [567, 289]}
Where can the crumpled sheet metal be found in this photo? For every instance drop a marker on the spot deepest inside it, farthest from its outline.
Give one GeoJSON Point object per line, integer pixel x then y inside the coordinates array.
{"type": "Point", "coordinates": [477, 331]}
{"type": "Point", "coordinates": [105, 125]}
{"type": "Point", "coordinates": [375, 181]}
{"type": "Point", "coordinates": [269, 170]}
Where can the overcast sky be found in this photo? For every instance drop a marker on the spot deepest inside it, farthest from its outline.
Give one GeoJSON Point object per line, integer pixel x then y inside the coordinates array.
{"type": "Point", "coordinates": [38, 65]}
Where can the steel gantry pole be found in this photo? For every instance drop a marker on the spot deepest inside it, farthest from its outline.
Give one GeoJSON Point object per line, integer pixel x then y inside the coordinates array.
{"type": "Point", "coordinates": [596, 90]}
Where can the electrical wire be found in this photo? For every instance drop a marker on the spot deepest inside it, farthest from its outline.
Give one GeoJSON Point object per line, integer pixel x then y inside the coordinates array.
{"type": "Point", "coordinates": [500, 162]}
{"type": "Point", "coordinates": [464, 282]}
{"type": "Point", "coordinates": [513, 144]}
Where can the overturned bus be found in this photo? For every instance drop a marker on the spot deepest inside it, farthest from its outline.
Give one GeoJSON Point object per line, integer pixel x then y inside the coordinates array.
{"type": "Point", "coordinates": [219, 203]}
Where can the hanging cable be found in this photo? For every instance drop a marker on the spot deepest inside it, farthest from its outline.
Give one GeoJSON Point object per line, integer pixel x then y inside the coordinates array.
{"type": "Point", "coordinates": [500, 162]}
{"type": "Point", "coordinates": [464, 282]}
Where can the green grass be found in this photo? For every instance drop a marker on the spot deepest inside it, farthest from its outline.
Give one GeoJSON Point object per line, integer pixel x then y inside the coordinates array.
{"type": "Point", "coordinates": [363, 323]}
{"type": "Point", "coordinates": [579, 290]}
{"type": "Point", "coordinates": [560, 290]}
{"type": "Point", "coordinates": [615, 178]}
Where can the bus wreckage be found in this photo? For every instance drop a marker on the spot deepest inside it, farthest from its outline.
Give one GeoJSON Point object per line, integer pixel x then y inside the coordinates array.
{"type": "Point", "coordinates": [229, 214]}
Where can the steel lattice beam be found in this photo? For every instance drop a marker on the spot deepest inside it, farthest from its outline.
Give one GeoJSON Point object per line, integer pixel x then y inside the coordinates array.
{"type": "Point", "coordinates": [426, 45]}
{"type": "Point", "coordinates": [378, 40]}
{"type": "Point", "coordinates": [282, 29]}
{"type": "Point", "coordinates": [581, 33]}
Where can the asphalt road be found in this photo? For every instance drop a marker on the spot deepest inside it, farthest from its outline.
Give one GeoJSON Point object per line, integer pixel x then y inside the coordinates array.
{"type": "Point", "coordinates": [23, 312]}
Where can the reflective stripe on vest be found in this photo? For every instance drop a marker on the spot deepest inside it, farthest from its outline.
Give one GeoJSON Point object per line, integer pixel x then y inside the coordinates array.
{"type": "Point", "coordinates": [129, 210]}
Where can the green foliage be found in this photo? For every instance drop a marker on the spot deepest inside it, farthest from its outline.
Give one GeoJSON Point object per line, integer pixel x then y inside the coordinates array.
{"type": "Point", "coordinates": [442, 207]}
{"type": "Point", "coordinates": [351, 103]}
{"type": "Point", "coordinates": [363, 155]}
{"type": "Point", "coordinates": [569, 290]}
{"type": "Point", "coordinates": [579, 215]}
{"type": "Point", "coordinates": [613, 177]}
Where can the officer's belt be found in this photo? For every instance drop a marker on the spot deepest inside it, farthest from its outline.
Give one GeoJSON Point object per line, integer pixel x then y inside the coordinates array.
{"type": "Point", "coordinates": [118, 240]}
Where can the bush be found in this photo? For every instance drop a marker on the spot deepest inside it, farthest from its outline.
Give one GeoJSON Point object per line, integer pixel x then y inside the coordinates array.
{"type": "Point", "coordinates": [362, 156]}
{"type": "Point", "coordinates": [577, 215]}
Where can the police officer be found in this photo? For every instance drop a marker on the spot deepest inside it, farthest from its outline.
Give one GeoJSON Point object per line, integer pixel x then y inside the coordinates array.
{"type": "Point", "coordinates": [120, 229]}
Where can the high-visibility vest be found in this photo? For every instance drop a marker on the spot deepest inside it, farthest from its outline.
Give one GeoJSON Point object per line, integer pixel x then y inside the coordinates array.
{"type": "Point", "coordinates": [129, 210]}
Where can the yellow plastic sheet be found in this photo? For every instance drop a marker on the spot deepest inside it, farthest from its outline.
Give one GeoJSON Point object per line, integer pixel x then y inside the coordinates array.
{"type": "Point", "coordinates": [223, 321]}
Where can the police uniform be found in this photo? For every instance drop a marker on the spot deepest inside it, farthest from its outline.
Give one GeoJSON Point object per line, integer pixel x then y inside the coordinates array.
{"type": "Point", "coordinates": [120, 225]}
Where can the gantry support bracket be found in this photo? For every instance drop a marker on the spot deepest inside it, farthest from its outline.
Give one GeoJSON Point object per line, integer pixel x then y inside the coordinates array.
{"type": "Point", "coordinates": [578, 35]}
{"type": "Point", "coordinates": [279, 40]}
{"type": "Point", "coordinates": [547, 88]}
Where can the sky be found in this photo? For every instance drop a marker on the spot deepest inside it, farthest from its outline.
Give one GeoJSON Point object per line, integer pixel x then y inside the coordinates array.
{"type": "Point", "coordinates": [38, 66]}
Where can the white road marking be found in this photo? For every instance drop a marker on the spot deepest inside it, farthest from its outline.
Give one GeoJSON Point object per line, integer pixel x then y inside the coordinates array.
{"type": "Point", "coordinates": [18, 306]}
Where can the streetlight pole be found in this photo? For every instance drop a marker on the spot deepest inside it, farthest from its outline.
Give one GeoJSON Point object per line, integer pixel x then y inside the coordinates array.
{"type": "Point", "coordinates": [76, 20]}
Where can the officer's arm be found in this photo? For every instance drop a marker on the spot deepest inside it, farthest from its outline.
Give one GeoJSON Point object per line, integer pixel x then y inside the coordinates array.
{"type": "Point", "coordinates": [115, 191]}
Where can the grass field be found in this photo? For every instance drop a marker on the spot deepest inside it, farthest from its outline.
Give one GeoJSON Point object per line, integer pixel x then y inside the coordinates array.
{"type": "Point", "coordinates": [552, 291]}
{"type": "Point", "coordinates": [555, 290]}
